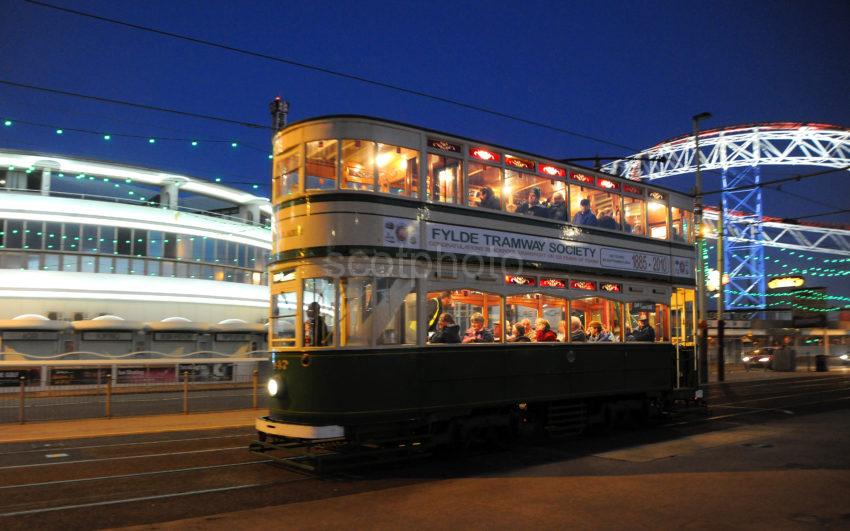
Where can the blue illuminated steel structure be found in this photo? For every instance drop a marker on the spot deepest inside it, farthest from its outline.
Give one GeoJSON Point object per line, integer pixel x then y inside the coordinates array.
{"type": "Point", "coordinates": [739, 152]}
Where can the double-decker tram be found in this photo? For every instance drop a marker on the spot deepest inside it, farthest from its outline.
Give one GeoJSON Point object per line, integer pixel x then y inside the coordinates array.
{"type": "Point", "coordinates": [431, 289]}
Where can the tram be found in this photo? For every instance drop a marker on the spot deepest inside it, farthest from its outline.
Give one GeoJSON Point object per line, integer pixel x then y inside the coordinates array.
{"type": "Point", "coordinates": [403, 259]}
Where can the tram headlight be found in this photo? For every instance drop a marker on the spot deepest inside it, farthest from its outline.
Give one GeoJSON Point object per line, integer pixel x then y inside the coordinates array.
{"type": "Point", "coordinates": [273, 386]}
{"type": "Point", "coordinates": [765, 359]}
{"type": "Point", "coordinates": [844, 357]}
{"type": "Point", "coordinates": [745, 359]}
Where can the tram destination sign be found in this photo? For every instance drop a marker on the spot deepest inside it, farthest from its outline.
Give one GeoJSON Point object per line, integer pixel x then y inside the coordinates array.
{"type": "Point", "coordinates": [441, 237]}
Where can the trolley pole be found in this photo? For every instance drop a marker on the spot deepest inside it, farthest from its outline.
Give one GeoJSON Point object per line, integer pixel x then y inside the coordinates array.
{"type": "Point", "coordinates": [702, 348]}
{"type": "Point", "coordinates": [255, 379]}
{"type": "Point", "coordinates": [23, 396]}
{"type": "Point", "coordinates": [185, 392]}
{"type": "Point", "coordinates": [721, 324]}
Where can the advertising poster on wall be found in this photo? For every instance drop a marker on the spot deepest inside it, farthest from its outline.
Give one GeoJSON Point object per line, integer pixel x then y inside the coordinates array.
{"type": "Point", "coordinates": [78, 375]}
{"type": "Point", "coordinates": [11, 376]}
{"type": "Point", "coordinates": [139, 375]}
{"type": "Point", "coordinates": [207, 372]}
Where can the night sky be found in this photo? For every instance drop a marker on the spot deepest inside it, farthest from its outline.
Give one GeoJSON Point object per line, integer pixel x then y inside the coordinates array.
{"type": "Point", "coordinates": [630, 73]}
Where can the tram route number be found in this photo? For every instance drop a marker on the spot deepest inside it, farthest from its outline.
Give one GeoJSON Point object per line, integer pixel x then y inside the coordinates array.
{"type": "Point", "coordinates": [654, 264]}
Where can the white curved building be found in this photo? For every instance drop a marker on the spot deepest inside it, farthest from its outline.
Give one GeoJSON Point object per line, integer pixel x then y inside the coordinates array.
{"type": "Point", "coordinates": [82, 238]}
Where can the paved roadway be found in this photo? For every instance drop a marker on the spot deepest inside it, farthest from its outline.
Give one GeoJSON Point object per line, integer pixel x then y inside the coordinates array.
{"type": "Point", "coordinates": [770, 454]}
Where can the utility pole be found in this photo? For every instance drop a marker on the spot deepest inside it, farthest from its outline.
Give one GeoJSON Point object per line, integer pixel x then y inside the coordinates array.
{"type": "Point", "coordinates": [721, 324]}
{"type": "Point", "coordinates": [702, 348]}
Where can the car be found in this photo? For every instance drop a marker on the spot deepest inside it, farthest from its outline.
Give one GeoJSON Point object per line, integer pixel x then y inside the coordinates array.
{"type": "Point", "coordinates": [758, 358]}
{"type": "Point", "coordinates": [843, 359]}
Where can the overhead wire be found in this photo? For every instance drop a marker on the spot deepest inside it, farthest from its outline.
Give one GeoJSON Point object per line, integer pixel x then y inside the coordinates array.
{"type": "Point", "coordinates": [331, 72]}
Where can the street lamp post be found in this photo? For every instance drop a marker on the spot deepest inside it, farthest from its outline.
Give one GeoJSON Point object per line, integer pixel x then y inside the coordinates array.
{"type": "Point", "coordinates": [702, 347]}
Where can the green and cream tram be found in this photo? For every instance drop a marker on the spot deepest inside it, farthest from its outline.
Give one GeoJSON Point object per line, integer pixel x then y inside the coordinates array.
{"type": "Point", "coordinates": [381, 229]}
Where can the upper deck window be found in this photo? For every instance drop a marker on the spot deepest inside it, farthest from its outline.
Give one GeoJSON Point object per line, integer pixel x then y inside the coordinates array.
{"type": "Point", "coordinates": [398, 170]}
{"type": "Point", "coordinates": [321, 165]}
{"type": "Point", "coordinates": [285, 178]}
{"type": "Point", "coordinates": [595, 208]}
{"type": "Point", "coordinates": [483, 186]}
{"type": "Point", "coordinates": [535, 196]}
{"type": "Point", "coordinates": [444, 179]}
{"type": "Point", "coordinates": [634, 209]}
{"type": "Point", "coordinates": [358, 165]}
{"type": "Point", "coordinates": [657, 217]}
{"type": "Point", "coordinates": [682, 226]}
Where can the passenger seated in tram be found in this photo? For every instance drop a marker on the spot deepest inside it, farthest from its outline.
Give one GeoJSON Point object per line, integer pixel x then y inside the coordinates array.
{"type": "Point", "coordinates": [585, 216]}
{"type": "Point", "coordinates": [477, 333]}
{"type": "Point", "coordinates": [675, 236]}
{"type": "Point", "coordinates": [532, 206]}
{"type": "Point", "coordinates": [644, 331]}
{"type": "Point", "coordinates": [487, 199]}
{"type": "Point", "coordinates": [315, 330]}
{"type": "Point", "coordinates": [544, 332]}
{"type": "Point", "coordinates": [598, 334]}
{"type": "Point", "coordinates": [607, 221]}
{"type": "Point", "coordinates": [558, 207]}
{"type": "Point", "coordinates": [577, 335]}
{"type": "Point", "coordinates": [447, 330]}
{"type": "Point", "coordinates": [518, 335]}
{"type": "Point", "coordinates": [526, 325]}
{"type": "Point", "coordinates": [562, 331]}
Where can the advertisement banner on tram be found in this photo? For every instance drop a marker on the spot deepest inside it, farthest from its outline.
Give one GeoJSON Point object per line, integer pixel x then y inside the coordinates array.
{"type": "Point", "coordinates": [11, 377]}
{"type": "Point", "coordinates": [137, 375]}
{"type": "Point", "coordinates": [441, 237]}
{"type": "Point", "coordinates": [208, 372]}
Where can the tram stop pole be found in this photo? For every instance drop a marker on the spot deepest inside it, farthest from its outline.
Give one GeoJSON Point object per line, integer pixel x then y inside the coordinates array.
{"type": "Point", "coordinates": [702, 350]}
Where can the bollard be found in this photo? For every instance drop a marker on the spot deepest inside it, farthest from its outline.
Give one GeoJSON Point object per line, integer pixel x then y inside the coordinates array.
{"type": "Point", "coordinates": [109, 397]}
{"type": "Point", "coordinates": [255, 378]}
{"type": "Point", "coordinates": [22, 411]}
{"type": "Point", "coordinates": [186, 392]}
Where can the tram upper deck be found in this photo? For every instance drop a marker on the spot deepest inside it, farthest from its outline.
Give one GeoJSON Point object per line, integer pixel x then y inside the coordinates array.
{"type": "Point", "coordinates": [347, 182]}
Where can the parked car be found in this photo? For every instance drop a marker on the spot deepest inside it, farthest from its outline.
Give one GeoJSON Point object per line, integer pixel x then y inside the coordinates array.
{"type": "Point", "coordinates": [759, 358]}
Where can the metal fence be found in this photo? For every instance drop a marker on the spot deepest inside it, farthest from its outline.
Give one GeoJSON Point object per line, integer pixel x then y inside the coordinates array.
{"type": "Point", "coordinates": [113, 391]}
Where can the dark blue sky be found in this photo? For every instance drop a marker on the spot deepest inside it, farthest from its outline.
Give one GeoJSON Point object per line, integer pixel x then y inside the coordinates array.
{"type": "Point", "coordinates": [631, 72]}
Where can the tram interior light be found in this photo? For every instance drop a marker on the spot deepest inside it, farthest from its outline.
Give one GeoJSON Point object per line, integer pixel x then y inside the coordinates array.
{"type": "Point", "coordinates": [384, 159]}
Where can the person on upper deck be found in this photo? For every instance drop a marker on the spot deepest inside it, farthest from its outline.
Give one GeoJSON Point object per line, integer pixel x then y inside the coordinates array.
{"type": "Point", "coordinates": [544, 332]}
{"type": "Point", "coordinates": [577, 335]}
{"type": "Point", "coordinates": [487, 199]}
{"type": "Point", "coordinates": [476, 332]}
{"type": "Point", "coordinates": [558, 207]}
{"type": "Point", "coordinates": [607, 221]}
{"type": "Point", "coordinates": [644, 331]}
{"type": "Point", "coordinates": [519, 335]}
{"type": "Point", "coordinates": [447, 330]}
{"type": "Point", "coordinates": [532, 206]}
{"type": "Point", "coordinates": [585, 216]}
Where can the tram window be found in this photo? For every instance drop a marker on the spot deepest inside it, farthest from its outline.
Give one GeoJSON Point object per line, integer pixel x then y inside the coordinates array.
{"type": "Point", "coordinates": [657, 215]}
{"type": "Point", "coordinates": [682, 221]}
{"type": "Point", "coordinates": [444, 179]}
{"type": "Point", "coordinates": [321, 165]}
{"type": "Point", "coordinates": [398, 170]}
{"type": "Point", "coordinates": [356, 307]}
{"type": "Point", "coordinates": [602, 210]}
{"type": "Point", "coordinates": [483, 186]}
{"type": "Point", "coordinates": [682, 316]}
{"type": "Point", "coordinates": [358, 165]}
{"type": "Point", "coordinates": [395, 311]}
{"type": "Point", "coordinates": [319, 301]}
{"type": "Point", "coordinates": [525, 309]}
{"type": "Point", "coordinates": [592, 311]}
{"type": "Point", "coordinates": [285, 177]}
{"type": "Point", "coordinates": [467, 306]}
{"type": "Point", "coordinates": [635, 212]}
{"type": "Point", "coordinates": [283, 318]}
{"type": "Point", "coordinates": [647, 321]}
{"type": "Point", "coordinates": [534, 196]}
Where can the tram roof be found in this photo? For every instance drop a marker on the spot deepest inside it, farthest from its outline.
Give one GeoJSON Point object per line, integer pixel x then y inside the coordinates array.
{"type": "Point", "coordinates": [306, 121]}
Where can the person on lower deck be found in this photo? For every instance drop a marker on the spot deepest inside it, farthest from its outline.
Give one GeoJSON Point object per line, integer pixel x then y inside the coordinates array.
{"type": "Point", "coordinates": [447, 330]}
{"type": "Point", "coordinates": [644, 331]}
{"type": "Point", "coordinates": [576, 333]}
{"type": "Point", "coordinates": [562, 331]}
{"type": "Point", "coordinates": [544, 332]}
{"type": "Point", "coordinates": [436, 307]}
{"type": "Point", "coordinates": [526, 325]}
{"type": "Point", "coordinates": [598, 334]}
{"type": "Point", "coordinates": [518, 335]}
{"type": "Point", "coordinates": [477, 333]}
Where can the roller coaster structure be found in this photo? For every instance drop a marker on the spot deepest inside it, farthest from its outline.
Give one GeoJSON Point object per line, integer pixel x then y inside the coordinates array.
{"type": "Point", "coordinates": [739, 152]}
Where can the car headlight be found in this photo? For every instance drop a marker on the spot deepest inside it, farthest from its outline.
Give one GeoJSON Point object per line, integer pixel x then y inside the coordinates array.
{"type": "Point", "coordinates": [273, 386]}
{"type": "Point", "coordinates": [845, 357]}
{"type": "Point", "coordinates": [764, 359]}
{"type": "Point", "coordinates": [746, 359]}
